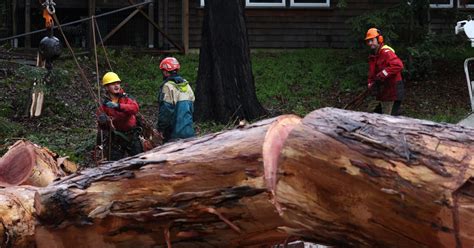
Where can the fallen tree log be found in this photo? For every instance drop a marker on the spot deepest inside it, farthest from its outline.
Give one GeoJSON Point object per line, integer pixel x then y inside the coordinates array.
{"type": "Point", "coordinates": [17, 217]}
{"type": "Point", "coordinates": [338, 177]}
{"type": "Point", "coordinates": [203, 192]}
{"type": "Point", "coordinates": [363, 180]}
{"type": "Point", "coordinates": [28, 164]}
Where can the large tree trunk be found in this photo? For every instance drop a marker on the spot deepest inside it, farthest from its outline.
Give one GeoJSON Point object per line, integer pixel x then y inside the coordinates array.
{"type": "Point", "coordinates": [367, 180]}
{"type": "Point", "coordinates": [338, 177]}
{"type": "Point", "coordinates": [207, 192]}
{"type": "Point", "coordinates": [225, 89]}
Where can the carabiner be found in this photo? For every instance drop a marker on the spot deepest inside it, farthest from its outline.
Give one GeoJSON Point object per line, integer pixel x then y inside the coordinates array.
{"type": "Point", "coordinates": [49, 6]}
{"type": "Point", "coordinates": [51, 9]}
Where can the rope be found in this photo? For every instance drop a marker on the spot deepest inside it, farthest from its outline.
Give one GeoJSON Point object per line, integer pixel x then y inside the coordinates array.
{"type": "Point", "coordinates": [78, 21]}
{"type": "Point", "coordinates": [96, 59]}
{"type": "Point", "coordinates": [98, 81]}
{"type": "Point", "coordinates": [84, 78]}
{"type": "Point", "coordinates": [103, 46]}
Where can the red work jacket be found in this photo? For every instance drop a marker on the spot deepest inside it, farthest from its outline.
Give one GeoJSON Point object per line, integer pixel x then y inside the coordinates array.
{"type": "Point", "coordinates": [386, 68]}
{"type": "Point", "coordinates": [123, 118]}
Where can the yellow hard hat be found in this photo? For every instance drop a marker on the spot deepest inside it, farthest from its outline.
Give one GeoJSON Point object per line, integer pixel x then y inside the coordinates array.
{"type": "Point", "coordinates": [109, 78]}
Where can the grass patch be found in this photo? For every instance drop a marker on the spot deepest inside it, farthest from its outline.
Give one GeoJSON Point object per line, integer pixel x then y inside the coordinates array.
{"type": "Point", "coordinates": [294, 81]}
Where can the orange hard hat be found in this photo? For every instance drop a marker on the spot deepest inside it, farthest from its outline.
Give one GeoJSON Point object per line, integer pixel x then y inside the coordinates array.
{"type": "Point", "coordinates": [372, 33]}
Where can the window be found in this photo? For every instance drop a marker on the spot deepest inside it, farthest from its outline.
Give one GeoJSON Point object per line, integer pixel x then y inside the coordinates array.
{"type": "Point", "coordinates": [309, 3]}
{"type": "Point", "coordinates": [441, 3]}
{"type": "Point", "coordinates": [282, 3]}
{"type": "Point", "coordinates": [466, 3]}
{"type": "Point", "coordinates": [264, 3]}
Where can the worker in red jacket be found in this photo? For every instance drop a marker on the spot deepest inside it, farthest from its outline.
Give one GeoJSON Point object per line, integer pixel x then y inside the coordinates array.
{"type": "Point", "coordinates": [385, 75]}
{"type": "Point", "coordinates": [117, 118]}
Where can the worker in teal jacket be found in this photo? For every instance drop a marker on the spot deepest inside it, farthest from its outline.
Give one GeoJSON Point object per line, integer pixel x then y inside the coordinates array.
{"type": "Point", "coordinates": [175, 102]}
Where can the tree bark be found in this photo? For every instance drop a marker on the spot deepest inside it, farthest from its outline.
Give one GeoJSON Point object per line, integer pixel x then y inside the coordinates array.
{"type": "Point", "coordinates": [337, 177]}
{"type": "Point", "coordinates": [17, 219]}
{"type": "Point", "coordinates": [225, 90]}
{"type": "Point", "coordinates": [207, 192]}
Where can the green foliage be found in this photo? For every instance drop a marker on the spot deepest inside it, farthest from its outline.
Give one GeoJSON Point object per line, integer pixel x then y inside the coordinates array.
{"type": "Point", "coordinates": [208, 127]}
{"type": "Point", "coordinates": [76, 144]}
{"type": "Point", "coordinates": [342, 4]}
{"type": "Point", "coordinates": [142, 76]}
{"type": "Point", "coordinates": [421, 57]}
{"type": "Point", "coordinates": [444, 115]}
{"type": "Point", "coordinates": [406, 27]}
{"type": "Point", "coordinates": [8, 129]}
{"type": "Point", "coordinates": [293, 81]}
{"type": "Point", "coordinates": [387, 20]}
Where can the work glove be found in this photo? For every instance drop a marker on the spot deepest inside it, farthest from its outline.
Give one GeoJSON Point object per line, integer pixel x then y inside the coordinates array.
{"type": "Point", "coordinates": [113, 105]}
{"type": "Point", "coordinates": [102, 119]}
{"type": "Point", "coordinates": [370, 85]}
{"type": "Point", "coordinates": [380, 76]}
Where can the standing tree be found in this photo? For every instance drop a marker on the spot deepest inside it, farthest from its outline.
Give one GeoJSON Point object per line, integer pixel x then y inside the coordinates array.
{"type": "Point", "coordinates": [225, 86]}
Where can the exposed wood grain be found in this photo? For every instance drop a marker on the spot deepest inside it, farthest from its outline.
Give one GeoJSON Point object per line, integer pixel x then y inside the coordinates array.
{"type": "Point", "coordinates": [369, 181]}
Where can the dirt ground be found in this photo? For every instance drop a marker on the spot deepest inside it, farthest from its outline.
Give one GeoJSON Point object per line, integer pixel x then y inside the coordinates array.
{"type": "Point", "coordinates": [443, 96]}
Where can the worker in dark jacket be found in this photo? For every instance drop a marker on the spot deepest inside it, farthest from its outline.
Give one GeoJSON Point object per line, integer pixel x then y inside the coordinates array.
{"type": "Point", "coordinates": [117, 118]}
{"type": "Point", "coordinates": [175, 103]}
{"type": "Point", "coordinates": [385, 78]}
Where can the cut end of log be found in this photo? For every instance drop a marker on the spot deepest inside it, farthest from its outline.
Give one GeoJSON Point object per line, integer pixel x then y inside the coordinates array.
{"type": "Point", "coordinates": [16, 165]}
{"type": "Point", "coordinates": [28, 164]}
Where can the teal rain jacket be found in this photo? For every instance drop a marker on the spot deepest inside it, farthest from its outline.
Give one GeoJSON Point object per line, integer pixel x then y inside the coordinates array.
{"type": "Point", "coordinates": [176, 107]}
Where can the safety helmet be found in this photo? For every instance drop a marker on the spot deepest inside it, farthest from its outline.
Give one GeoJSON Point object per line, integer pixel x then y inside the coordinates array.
{"type": "Point", "coordinates": [170, 64]}
{"type": "Point", "coordinates": [373, 33]}
{"type": "Point", "coordinates": [109, 78]}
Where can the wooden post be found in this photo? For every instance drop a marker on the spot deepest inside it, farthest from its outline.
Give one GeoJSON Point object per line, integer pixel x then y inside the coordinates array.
{"type": "Point", "coordinates": [151, 30]}
{"type": "Point", "coordinates": [165, 23]}
{"type": "Point", "coordinates": [92, 4]}
{"type": "Point", "coordinates": [121, 24]}
{"type": "Point", "coordinates": [14, 27]}
{"type": "Point", "coordinates": [27, 23]}
{"type": "Point", "coordinates": [185, 25]}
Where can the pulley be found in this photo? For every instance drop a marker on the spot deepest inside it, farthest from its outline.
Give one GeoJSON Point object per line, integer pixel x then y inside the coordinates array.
{"type": "Point", "coordinates": [50, 48]}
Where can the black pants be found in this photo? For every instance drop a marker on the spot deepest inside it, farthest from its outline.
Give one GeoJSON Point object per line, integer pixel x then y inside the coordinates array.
{"type": "Point", "coordinates": [395, 108]}
{"type": "Point", "coordinates": [397, 103]}
{"type": "Point", "coordinates": [118, 145]}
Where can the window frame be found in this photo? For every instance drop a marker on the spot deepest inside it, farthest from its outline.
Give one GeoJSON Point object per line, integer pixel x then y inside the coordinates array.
{"type": "Point", "coordinates": [467, 6]}
{"type": "Point", "coordinates": [283, 4]}
{"type": "Point", "coordinates": [442, 6]}
{"type": "Point", "coordinates": [293, 4]}
{"type": "Point", "coordinates": [248, 4]}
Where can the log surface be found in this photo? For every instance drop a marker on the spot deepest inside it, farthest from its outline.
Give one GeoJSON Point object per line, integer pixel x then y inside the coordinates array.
{"type": "Point", "coordinates": [336, 177]}
{"type": "Point", "coordinates": [204, 192]}
{"type": "Point", "coordinates": [366, 180]}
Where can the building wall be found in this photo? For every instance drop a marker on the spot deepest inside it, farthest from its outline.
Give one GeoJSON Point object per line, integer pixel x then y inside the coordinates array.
{"type": "Point", "coordinates": [267, 27]}
{"type": "Point", "coordinates": [5, 17]}
{"type": "Point", "coordinates": [306, 27]}
{"type": "Point", "coordinates": [295, 28]}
